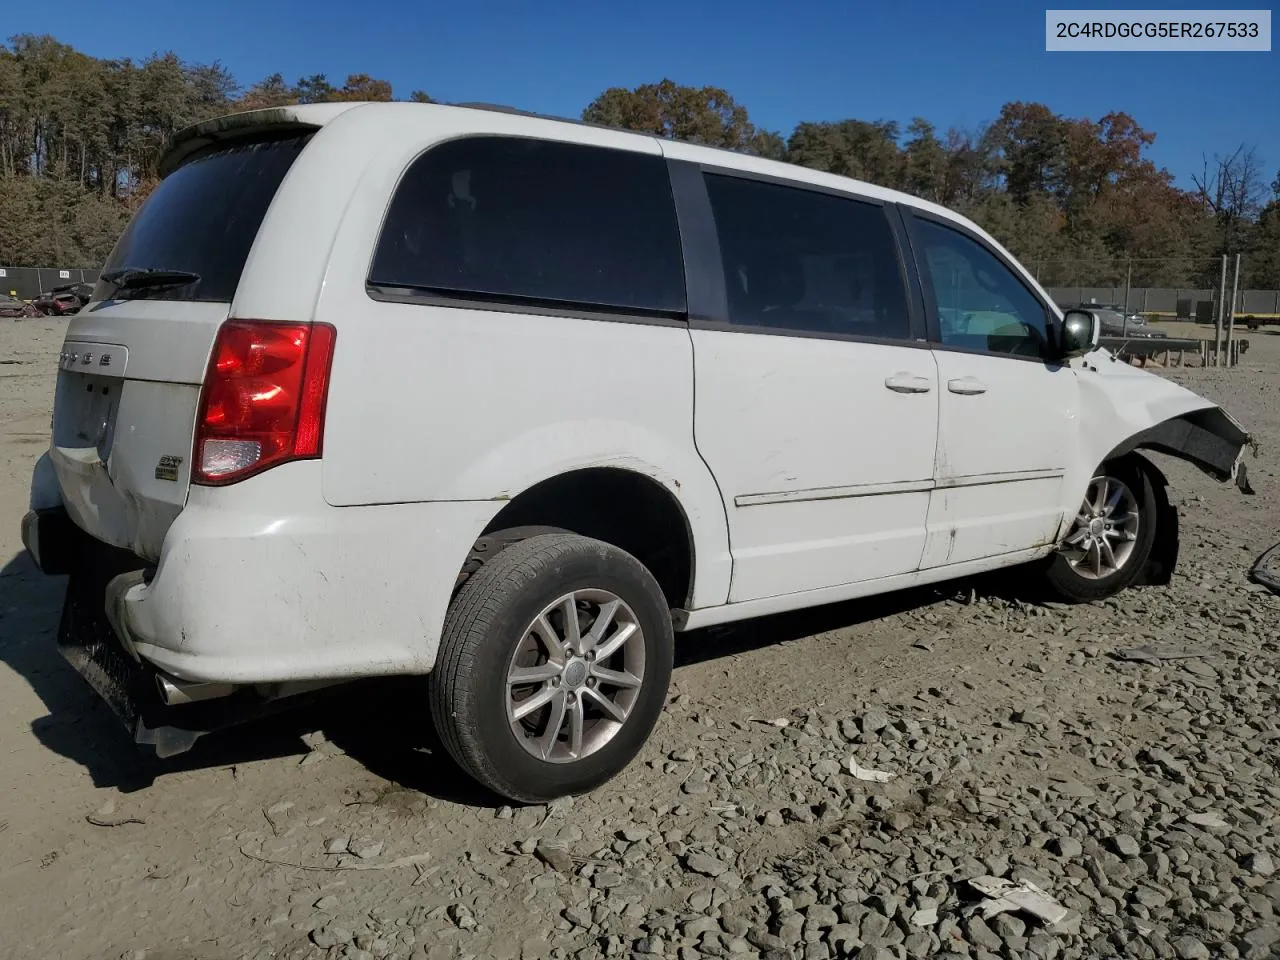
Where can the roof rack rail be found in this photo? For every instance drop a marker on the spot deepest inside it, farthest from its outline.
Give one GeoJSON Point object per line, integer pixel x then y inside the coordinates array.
{"type": "Point", "coordinates": [503, 108]}
{"type": "Point", "coordinates": [576, 121]}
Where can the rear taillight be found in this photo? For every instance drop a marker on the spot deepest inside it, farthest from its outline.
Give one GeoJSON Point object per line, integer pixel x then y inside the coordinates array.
{"type": "Point", "coordinates": [263, 399]}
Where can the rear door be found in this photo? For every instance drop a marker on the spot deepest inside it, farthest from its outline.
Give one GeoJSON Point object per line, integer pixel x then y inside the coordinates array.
{"type": "Point", "coordinates": [134, 358]}
{"type": "Point", "coordinates": [816, 398]}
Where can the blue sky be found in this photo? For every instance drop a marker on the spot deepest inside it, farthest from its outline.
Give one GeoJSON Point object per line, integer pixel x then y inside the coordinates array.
{"type": "Point", "coordinates": [785, 61]}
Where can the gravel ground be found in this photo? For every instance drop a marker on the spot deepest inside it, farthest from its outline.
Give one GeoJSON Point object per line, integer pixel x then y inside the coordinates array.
{"type": "Point", "coordinates": [1023, 741]}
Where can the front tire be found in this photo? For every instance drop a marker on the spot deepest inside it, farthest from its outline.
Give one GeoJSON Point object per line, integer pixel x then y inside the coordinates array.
{"type": "Point", "coordinates": [1110, 542]}
{"type": "Point", "coordinates": [553, 667]}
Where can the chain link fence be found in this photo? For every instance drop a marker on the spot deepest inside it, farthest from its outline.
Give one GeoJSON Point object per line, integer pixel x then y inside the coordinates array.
{"type": "Point", "coordinates": [1131, 285]}
{"type": "Point", "coordinates": [1170, 302]}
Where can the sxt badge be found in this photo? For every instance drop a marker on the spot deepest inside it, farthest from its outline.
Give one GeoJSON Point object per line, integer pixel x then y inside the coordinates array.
{"type": "Point", "coordinates": [167, 468]}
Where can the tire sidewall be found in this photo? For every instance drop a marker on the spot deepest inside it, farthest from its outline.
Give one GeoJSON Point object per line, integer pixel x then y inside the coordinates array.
{"type": "Point", "coordinates": [604, 568]}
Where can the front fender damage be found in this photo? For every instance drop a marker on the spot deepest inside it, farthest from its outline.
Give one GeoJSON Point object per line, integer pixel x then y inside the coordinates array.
{"type": "Point", "coordinates": [1210, 438]}
{"type": "Point", "coordinates": [1125, 410]}
{"type": "Point", "coordinates": [1207, 437]}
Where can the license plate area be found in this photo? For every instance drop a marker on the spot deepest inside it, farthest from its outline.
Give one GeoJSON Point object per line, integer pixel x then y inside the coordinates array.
{"type": "Point", "coordinates": [85, 410]}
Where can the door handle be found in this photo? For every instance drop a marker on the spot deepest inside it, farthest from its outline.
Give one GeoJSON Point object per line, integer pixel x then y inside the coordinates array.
{"type": "Point", "coordinates": [908, 383]}
{"type": "Point", "coordinates": [966, 386]}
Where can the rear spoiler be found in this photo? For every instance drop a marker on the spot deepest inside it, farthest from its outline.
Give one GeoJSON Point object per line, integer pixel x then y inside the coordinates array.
{"type": "Point", "coordinates": [297, 118]}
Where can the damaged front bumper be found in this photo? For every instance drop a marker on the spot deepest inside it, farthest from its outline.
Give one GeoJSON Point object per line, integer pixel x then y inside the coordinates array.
{"type": "Point", "coordinates": [1210, 438]}
{"type": "Point", "coordinates": [1220, 443]}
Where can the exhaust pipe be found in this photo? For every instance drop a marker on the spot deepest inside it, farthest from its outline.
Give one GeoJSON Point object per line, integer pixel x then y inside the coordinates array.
{"type": "Point", "coordinates": [176, 692]}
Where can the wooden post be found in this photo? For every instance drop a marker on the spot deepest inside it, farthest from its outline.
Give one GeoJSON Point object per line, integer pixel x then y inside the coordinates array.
{"type": "Point", "coordinates": [1233, 356]}
{"type": "Point", "coordinates": [1221, 316]}
{"type": "Point", "coordinates": [1124, 320]}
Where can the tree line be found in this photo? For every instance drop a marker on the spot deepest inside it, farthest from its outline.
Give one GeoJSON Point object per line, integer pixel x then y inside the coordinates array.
{"type": "Point", "coordinates": [1076, 199]}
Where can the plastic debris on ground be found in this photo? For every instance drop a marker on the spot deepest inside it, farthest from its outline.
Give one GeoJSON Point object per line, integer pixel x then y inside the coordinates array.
{"type": "Point", "coordinates": [873, 776]}
{"type": "Point", "coordinates": [1157, 652]}
{"type": "Point", "coordinates": [1005, 896]}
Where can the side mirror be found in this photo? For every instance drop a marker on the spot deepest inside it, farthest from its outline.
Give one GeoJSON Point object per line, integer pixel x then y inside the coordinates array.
{"type": "Point", "coordinates": [1081, 331]}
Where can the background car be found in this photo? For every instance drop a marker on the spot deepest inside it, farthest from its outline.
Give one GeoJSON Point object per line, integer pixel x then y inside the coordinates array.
{"type": "Point", "coordinates": [1115, 323]}
{"type": "Point", "coordinates": [16, 309]}
{"type": "Point", "coordinates": [58, 304]}
{"type": "Point", "coordinates": [82, 291]}
{"type": "Point", "coordinates": [1133, 317]}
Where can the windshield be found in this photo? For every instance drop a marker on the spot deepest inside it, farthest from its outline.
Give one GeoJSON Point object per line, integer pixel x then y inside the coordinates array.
{"type": "Point", "coordinates": [201, 221]}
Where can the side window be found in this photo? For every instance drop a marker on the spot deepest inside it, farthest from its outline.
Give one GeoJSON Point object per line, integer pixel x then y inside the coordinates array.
{"type": "Point", "coordinates": [982, 305]}
{"type": "Point", "coordinates": [508, 218]}
{"type": "Point", "coordinates": [797, 259]}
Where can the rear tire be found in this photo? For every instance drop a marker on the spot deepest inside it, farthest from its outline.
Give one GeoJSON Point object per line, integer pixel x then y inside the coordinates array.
{"type": "Point", "coordinates": [1109, 545]}
{"type": "Point", "coordinates": [533, 705]}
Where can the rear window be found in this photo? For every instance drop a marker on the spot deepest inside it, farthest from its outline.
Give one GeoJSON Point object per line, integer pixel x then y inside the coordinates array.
{"type": "Point", "coordinates": [534, 221]}
{"type": "Point", "coordinates": [202, 219]}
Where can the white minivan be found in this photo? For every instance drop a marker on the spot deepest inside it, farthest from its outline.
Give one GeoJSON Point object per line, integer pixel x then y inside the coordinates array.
{"type": "Point", "coordinates": [507, 401]}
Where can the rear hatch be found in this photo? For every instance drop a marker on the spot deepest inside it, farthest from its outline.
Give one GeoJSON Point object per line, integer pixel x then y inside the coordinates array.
{"type": "Point", "coordinates": [133, 361]}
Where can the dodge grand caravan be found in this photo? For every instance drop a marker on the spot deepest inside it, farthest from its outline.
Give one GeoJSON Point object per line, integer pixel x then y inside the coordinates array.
{"type": "Point", "coordinates": [507, 402]}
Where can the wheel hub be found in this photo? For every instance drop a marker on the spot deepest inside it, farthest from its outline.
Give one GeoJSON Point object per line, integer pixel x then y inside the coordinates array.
{"type": "Point", "coordinates": [575, 673]}
{"type": "Point", "coordinates": [1097, 527]}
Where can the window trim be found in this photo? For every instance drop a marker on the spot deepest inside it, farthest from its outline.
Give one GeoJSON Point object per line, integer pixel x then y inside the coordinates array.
{"type": "Point", "coordinates": [911, 217]}
{"type": "Point", "coordinates": [487, 303]}
{"type": "Point", "coordinates": [916, 300]}
{"type": "Point", "coordinates": [516, 303]}
{"type": "Point", "coordinates": [708, 298]}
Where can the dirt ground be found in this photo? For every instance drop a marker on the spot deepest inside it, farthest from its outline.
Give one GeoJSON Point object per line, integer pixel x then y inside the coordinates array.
{"type": "Point", "coordinates": [1024, 747]}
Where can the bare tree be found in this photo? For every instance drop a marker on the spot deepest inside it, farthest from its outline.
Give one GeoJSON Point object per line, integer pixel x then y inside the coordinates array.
{"type": "Point", "coordinates": [1233, 188]}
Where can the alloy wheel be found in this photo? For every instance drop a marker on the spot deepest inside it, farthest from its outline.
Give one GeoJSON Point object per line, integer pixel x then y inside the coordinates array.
{"type": "Point", "coordinates": [1105, 531]}
{"type": "Point", "coordinates": [575, 675]}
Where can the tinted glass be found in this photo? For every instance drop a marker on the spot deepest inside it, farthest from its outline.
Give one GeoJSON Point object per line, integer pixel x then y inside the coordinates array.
{"type": "Point", "coordinates": [799, 260]}
{"type": "Point", "coordinates": [203, 218]}
{"type": "Point", "coordinates": [528, 220]}
{"type": "Point", "coordinates": [982, 305]}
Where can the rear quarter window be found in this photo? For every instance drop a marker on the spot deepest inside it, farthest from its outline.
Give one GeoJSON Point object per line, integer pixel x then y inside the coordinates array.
{"type": "Point", "coordinates": [530, 221]}
{"type": "Point", "coordinates": [203, 219]}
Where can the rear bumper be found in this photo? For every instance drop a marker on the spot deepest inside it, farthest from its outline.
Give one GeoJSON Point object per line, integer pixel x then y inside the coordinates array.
{"type": "Point", "coordinates": [51, 540]}
{"type": "Point", "coordinates": [261, 583]}
{"type": "Point", "coordinates": [264, 582]}
{"type": "Point", "coordinates": [131, 686]}
{"type": "Point", "coordinates": [49, 535]}
{"type": "Point", "coordinates": [89, 641]}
